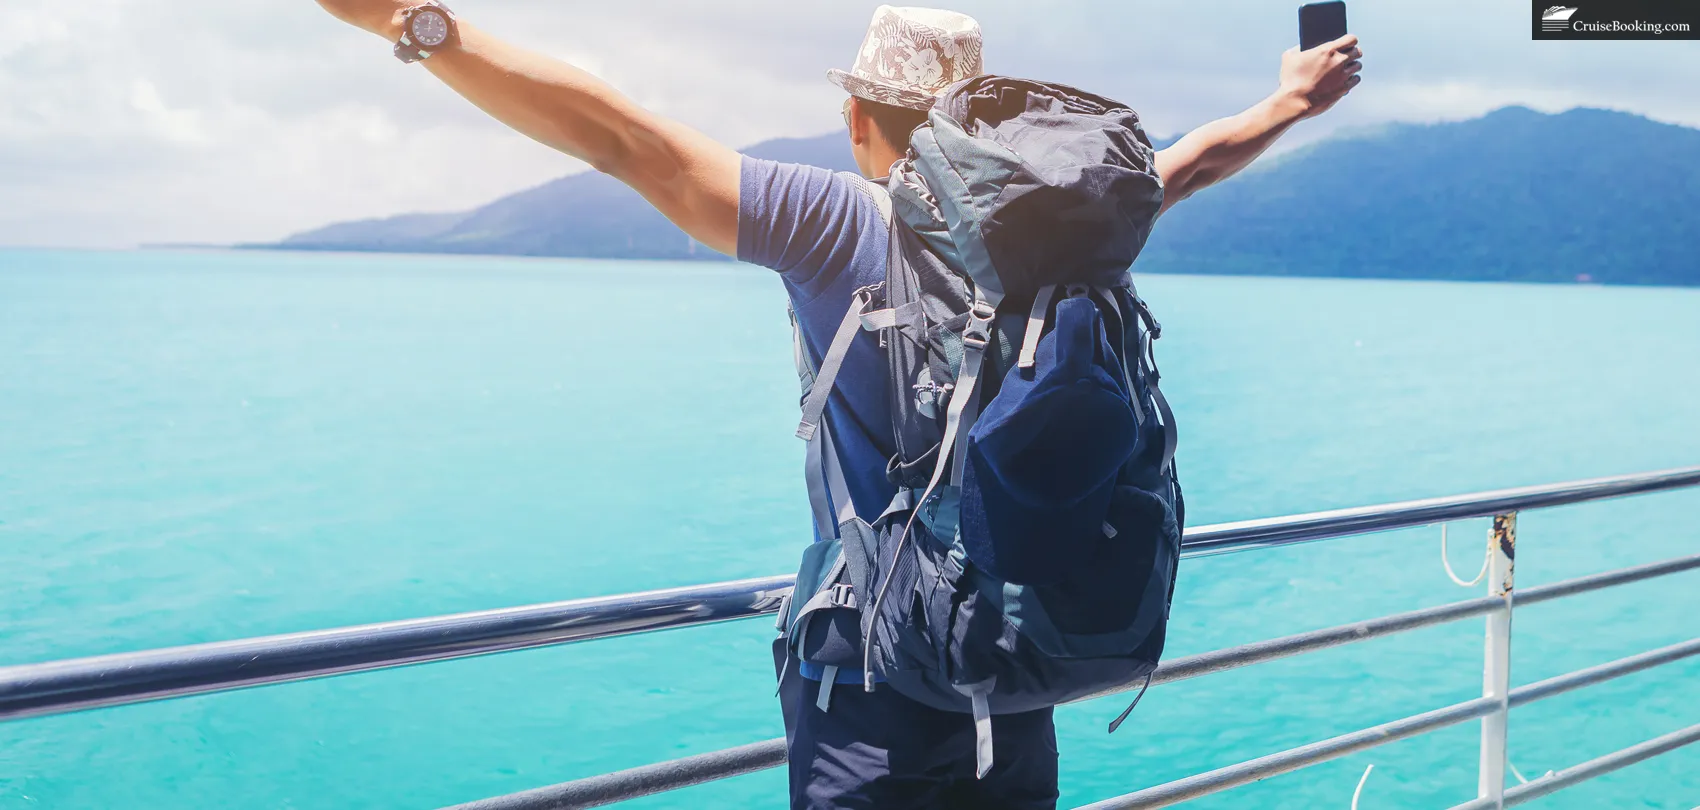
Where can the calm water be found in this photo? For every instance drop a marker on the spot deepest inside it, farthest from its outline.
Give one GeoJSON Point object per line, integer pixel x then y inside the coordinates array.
{"type": "Point", "coordinates": [207, 446]}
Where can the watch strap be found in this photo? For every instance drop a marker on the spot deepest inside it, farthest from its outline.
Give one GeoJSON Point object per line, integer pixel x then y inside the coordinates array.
{"type": "Point", "coordinates": [408, 52]}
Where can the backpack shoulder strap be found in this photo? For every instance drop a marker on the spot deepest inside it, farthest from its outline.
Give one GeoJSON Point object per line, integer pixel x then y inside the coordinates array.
{"type": "Point", "coordinates": [859, 316]}
{"type": "Point", "coordinates": [814, 405]}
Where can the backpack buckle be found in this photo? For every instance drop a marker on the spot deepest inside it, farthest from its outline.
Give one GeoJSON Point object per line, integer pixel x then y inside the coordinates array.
{"type": "Point", "coordinates": [866, 294]}
{"type": "Point", "coordinates": [928, 395]}
{"type": "Point", "coordinates": [843, 596]}
{"type": "Point", "coordinates": [1151, 324]}
{"type": "Point", "coordinates": [978, 331]}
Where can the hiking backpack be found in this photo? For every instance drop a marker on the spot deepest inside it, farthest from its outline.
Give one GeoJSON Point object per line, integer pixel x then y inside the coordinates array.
{"type": "Point", "coordinates": [1029, 556]}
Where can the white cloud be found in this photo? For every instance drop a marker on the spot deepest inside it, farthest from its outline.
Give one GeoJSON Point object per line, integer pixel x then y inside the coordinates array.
{"type": "Point", "coordinates": [126, 121]}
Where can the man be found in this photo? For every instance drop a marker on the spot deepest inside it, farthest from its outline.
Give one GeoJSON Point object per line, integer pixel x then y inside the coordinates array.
{"type": "Point", "coordinates": [827, 237]}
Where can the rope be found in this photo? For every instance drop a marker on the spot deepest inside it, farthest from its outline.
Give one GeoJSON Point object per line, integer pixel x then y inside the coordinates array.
{"type": "Point", "coordinates": [1448, 563]}
{"type": "Point", "coordinates": [1361, 781]}
{"type": "Point", "coordinates": [1525, 780]}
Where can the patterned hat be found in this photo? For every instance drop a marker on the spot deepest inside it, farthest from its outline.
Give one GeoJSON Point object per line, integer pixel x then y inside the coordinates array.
{"type": "Point", "coordinates": [911, 55]}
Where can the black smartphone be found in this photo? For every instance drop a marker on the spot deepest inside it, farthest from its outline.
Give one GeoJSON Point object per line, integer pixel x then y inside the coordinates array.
{"type": "Point", "coordinates": [1320, 23]}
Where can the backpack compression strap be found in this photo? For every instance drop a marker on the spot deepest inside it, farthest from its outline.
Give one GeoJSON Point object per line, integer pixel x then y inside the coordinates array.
{"type": "Point", "coordinates": [1035, 326]}
{"type": "Point", "coordinates": [829, 495]}
{"type": "Point", "coordinates": [982, 710]}
{"type": "Point", "coordinates": [1145, 358]}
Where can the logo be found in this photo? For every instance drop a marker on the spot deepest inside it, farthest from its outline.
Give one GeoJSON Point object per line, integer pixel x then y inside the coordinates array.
{"type": "Point", "coordinates": [1557, 18]}
{"type": "Point", "coordinates": [1619, 19]}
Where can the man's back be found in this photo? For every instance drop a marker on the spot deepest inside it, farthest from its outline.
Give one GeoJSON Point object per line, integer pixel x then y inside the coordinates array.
{"type": "Point", "coordinates": [824, 234]}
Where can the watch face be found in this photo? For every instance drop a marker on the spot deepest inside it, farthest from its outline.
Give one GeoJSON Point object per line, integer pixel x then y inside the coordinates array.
{"type": "Point", "coordinates": [429, 28]}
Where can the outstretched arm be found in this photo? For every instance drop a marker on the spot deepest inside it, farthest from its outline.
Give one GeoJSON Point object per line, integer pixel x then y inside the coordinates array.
{"type": "Point", "coordinates": [686, 175]}
{"type": "Point", "coordinates": [1311, 82]}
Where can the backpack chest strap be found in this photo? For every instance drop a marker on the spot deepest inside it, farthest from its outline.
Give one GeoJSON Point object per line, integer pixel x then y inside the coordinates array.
{"type": "Point", "coordinates": [858, 318]}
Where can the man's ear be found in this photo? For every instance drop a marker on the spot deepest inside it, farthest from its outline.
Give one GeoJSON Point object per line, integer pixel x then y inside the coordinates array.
{"type": "Point", "coordinates": [859, 123]}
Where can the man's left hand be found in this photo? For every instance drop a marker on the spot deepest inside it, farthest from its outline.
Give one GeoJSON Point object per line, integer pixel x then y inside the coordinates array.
{"type": "Point", "coordinates": [1317, 79]}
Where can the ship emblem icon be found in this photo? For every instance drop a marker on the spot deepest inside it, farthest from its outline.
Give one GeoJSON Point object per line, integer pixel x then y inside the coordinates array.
{"type": "Point", "coordinates": [1557, 18]}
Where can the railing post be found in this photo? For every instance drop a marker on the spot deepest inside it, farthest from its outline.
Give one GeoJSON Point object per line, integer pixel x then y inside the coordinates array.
{"type": "Point", "coordinates": [1496, 673]}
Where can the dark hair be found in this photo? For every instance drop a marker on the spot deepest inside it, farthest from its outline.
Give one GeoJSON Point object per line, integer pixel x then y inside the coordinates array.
{"type": "Point", "coordinates": [895, 123]}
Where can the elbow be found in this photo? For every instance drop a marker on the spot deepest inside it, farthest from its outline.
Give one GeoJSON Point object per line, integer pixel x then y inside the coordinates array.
{"type": "Point", "coordinates": [1200, 178]}
{"type": "Point", "coordinates": [615, 165]}
{"type": "Point", "coordinates": [605, 151]}
{"type": "Point", "coordinates": [1203, 180]}
{"type": "Point", "coordinates": [638, 153]}
{"type": "Point", "coordinates": [1179, 188]}
{"type": "Point", "coordinates": [607, 145]}
{"type": "Point", "coordinates": [1186, 185]}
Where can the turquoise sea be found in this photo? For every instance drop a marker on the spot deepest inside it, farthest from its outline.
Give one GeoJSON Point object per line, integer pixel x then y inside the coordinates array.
{"type": "Point", "coordinates": [204, 446]}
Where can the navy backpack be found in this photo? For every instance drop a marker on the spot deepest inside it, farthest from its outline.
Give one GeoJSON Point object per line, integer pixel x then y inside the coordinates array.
{"type": "Point", "coordinates": [1029, 556]}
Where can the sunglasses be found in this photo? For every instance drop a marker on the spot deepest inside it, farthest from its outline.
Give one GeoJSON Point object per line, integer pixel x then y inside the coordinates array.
{"type": "Point", "coordinates": [846, 111]}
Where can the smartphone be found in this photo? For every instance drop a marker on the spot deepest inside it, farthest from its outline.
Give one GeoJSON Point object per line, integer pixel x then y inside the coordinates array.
{"type": "Point", "coordinates": [1320, 23]}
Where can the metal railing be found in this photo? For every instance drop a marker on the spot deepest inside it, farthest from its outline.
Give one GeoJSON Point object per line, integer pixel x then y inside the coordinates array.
{"type": "Point", "coordinates": [34, 690]}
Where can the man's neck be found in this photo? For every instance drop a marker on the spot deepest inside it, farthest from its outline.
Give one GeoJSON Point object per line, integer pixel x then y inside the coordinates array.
{"type": "Point", "coordinates": [880, 159]}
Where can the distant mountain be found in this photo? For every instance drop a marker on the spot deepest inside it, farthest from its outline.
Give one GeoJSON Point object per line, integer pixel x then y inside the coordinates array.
{"type": "Point", "coordinates": [1516, 195]}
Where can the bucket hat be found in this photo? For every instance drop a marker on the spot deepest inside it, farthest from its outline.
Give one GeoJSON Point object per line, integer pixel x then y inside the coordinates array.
{"type": "Point", "coordinates": [911, 55]}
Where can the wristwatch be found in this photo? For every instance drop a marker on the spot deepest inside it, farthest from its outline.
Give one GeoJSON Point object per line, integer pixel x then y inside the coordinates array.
{"type": "Point", "coordinates": [426, 29]}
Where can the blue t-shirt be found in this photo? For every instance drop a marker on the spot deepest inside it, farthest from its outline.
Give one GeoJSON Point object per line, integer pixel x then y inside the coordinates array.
{"type": "Point", "coordinates": [824, 233]}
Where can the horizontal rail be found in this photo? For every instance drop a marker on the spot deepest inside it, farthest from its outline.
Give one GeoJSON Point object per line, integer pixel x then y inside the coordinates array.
{"type": "Point", "coordinates": [1599, 766]}
{"type": "Point", "coordinates": [1258, 652]}
{"type": "Point", "coordinates": [646, 780]}
{"type": "Point", "coordinates": [34, 690]}
{"type": "Point", "coordinates": [1292, 759]}
{"type": "Point", "coordinates": [641, 781]}
{"type": "Point", "coordinates": [1541, 690]}
{"type": "Point", "coordinates": [1267, 532]}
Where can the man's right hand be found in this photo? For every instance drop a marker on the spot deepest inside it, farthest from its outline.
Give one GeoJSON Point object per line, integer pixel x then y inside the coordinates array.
{"type": "Point", "coordinates": [381, 17]}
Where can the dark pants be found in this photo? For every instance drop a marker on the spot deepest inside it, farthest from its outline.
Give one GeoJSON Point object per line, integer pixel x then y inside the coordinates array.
{"type": "Point", "coordinates": [883, 751]}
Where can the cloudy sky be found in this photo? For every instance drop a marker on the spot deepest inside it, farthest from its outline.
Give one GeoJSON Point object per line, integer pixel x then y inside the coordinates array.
{"type": "Point", "coordinates": [134, 121]}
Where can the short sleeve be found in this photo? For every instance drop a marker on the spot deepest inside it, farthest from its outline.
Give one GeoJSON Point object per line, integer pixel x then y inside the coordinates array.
{"type": "Point", "coordinates": [807, 223]}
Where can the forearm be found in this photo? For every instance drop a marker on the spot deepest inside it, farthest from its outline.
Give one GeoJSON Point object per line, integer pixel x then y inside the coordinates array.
{"type": "Point", "coordinates": [1221, 148]}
